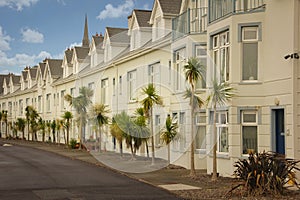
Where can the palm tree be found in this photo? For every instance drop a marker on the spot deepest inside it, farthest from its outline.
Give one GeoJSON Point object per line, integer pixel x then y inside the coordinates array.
{"type": "Point", "coordinates": [27, 114]}
{"type": "Point", "coordinates": [42, 127]}
{"type": "Point", "coordinates": [151, 99]}
{"type": "Point", "coordinates": [1, 114]}
{"type": "Point", "coordinates": [194, 72]}
{"type": "Point", "coordinates": [117, 132]}
{"type": "Point", "coordinates": [48, 126]}
{"type": "Point", "coordinates": [99, 116]}
{"type": "Point", "coordinates": [53, 128]}
{"type": "Point", "coordinates": [81, 103]}
{"type": "Point", "coordinates": [143, 132]}
{"type": "Point", "coordinates": [31, 119]}
{"type": "Point", "coordinates": [20, 124]}
{"type": "Point", "coordinates": [220, 93]}
{"type": "Point", "coordinates": [67, 116]}
{"type": "Point", "coordinates": [4, 118]}
{"type": "Point", "coordinates": [169, 133]}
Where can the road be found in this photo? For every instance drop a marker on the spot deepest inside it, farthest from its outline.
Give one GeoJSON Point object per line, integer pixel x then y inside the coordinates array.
{"type": "Point", "coordinates": [27, 173]}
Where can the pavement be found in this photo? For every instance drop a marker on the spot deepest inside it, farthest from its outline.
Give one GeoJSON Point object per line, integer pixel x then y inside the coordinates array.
{"type": "Point", "coordinates": [169, 178]}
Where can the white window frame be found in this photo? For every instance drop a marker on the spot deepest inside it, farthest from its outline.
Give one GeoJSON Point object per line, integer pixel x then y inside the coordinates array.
{"type": "Point", "coordinates": [199, 54]}
{"type": "Point", "coordinates": [104, 91]}
{"type": "Point", "coordinates": [219, 127]}
{"type": "Point", "coordinates": [180, 61]}
{"type": "Point", "coordinates": [131, 85]}
{"type": "Point", "coordinates": [199, 123]}
{"type": "Point", "coordinates": [48, 102]}
{"type": "Point", "coordinates": [221, 69]}
{"type": "Point", "coordinates": [249, 41]}
{"type": "Point", "coordinates": [249, 124]}
{"type": "Point", "coordinates": [154, 73]}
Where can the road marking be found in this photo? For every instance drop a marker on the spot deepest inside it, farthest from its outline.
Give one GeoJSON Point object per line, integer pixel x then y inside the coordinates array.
{"type": "Point", "coordinates": [179, 187]}
{"type": "Point", "coordinates": [7, 145]}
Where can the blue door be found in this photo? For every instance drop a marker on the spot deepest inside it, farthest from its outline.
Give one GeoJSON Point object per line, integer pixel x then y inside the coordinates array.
{"type": "Point", "coordinates": [279, 131]}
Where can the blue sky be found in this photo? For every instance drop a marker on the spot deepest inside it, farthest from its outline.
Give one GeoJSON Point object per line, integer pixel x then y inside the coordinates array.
{"type": "Point", "coordinates": [31, 30]}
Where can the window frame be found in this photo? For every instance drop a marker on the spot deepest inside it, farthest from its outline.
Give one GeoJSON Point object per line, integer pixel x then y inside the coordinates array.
{"type": "Point", "coordinates": [249, 124]}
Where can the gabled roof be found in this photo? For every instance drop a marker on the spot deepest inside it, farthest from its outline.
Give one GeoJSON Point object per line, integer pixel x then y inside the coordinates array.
{"type": "Point", "coordinates": [170, 6]}
{"type": "Point", "coordinates": [42, 67]}
{"type": "Point", "coordinates": [68, 55]}
{"type": "Point", "coordinates": [118, 35]}
{"type": "Point", "coordinates": [24, 75]}
{"type": "Point", "coordinates": [143, 17]}
{"type": "Point", "coordinates": [81, 52]}
{"type": "Point", "coordinates": [32, 72]}
{"type": "Point", "coordinates": [15, 79]}
{"type": "Point", "coordinates": [98, 39]}
{"type": "Point", "coordinates": [2, 78]}
{"type": "Point", "coordinates": [55, 68]}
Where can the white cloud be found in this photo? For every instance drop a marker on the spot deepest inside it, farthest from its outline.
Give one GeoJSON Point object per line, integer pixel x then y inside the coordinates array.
{"type": "Point", "coordinates": [17, 4]}
{"type": "Point", "coordinates": [32, 36]}
{"type": "Point", "coordinates": [115, 12]}
{"type": "Point", "coordinates": [146, 7]}
{"type": "Point", "coordinates": [21, 60]}
{"type": "Point", "coordinates": [4, 41]}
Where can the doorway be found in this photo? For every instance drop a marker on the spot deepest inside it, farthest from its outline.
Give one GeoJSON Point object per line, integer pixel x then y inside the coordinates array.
{"type": "Point", "coordinates": [278, 131]}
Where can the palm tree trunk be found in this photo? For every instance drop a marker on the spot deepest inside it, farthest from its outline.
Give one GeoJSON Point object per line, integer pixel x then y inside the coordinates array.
{"type": "Point", "coordinates": [121, 148]}
{"type": "Point", "coordinates": [68, 132]}
{"type": "Point", "coordinates": [6, 129]}
{"type": "Point", "coordinates": [43, 136]}
{"type": "Point", "coordinates": [169, 151]}
{"type": "Point", "coordinates": [23, 134]}
{"type": "Point", "coordinates": [193, 172]}
{"type": "Point", "coordinates": [100, 138]}
{"type": "Point", "coordinates": [214, 175]}
{"type": "Point", "coordinates": [152, 137]}
{"type": "Point", "coordinates": [80, 133]}
{"type": "Point", "coordinates": [147, 148]}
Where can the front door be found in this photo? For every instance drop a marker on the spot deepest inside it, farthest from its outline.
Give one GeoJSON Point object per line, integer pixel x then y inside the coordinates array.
{"type": "Point", "coordinates": [278, 130]}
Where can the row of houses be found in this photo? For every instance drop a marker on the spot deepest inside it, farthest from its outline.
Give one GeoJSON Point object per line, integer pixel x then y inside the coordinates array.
{"type": "Point", "coordinates": [251, 44]}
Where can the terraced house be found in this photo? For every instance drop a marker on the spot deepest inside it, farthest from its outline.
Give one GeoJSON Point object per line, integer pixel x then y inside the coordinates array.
{"type": "Point", "coordinates": [251, 44]}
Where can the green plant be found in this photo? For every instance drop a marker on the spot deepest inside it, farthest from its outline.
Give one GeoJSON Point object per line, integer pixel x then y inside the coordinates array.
{"type": "Point", "coordinates": [266, 173]}
{"type": "Point", "coordinates": [73, 143]}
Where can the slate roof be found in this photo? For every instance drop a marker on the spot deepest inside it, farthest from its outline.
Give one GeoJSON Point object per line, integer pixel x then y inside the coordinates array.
{"type": "Point", "coordinates": [33, 72]}
{"type": "Point", "coordinates": [42, 67]}
{"type": "Point", "coordinates": [118, 35]}
{"type": "Point", "coordinates": [98, 39]}
{"type": "Point", "coordinates": [2, 78]}
{"type": "Point", "coordinates": [69, 54]}
{"type": "Point", "coordinates": [24, 75]}
{"type": "Point", "coordinates": [170, 6]}
{"type": "Point", "coordinates": [16, 79]}
{"type": "Point", "coordinates": [82, 52]}
{"type": "Point", "coordinates": [55, 68]}
{"type": "Point", "coordinates": [143, 17]}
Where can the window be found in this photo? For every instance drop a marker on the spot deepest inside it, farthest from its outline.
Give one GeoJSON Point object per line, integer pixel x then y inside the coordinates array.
{"type": "Point", "coordinates": [120, 85]}
{"type": "Point", "coordinates": [221, 52]}
{"type": "Point", "coordinates": [179, 63]}
{"type": "Point", "coordinates": [222, 130]}
{"type": "Point", "coordinates": [48, 102]}
{"type": "Point", "coordinates": [91, 86]}
{"type": "Point", "coordinates": [201, 131]}
{"type": "Point", "coordinates": [131, 83]}
{"type": "Point", "coordinates": [153, 73]}
{"type": "Point", "coordinates": [62, 100]}
{"type": "Point", "coordinates": [27, 102]}
{"type": "Point", "coordinates": [201, 54]}
{"type": "Point", "coordinates": [21, 106]}
{"type": "Point", "coordinates": [72, 92]}
{"type": "Point", "coordinates": [104, 91]}
{"type": "Point", "coordinates": [250, 53]}
{"type": "Point", "coordinates": [114, 86]}
{"type": "Point", "coordinates": [158, 127]}
{"type": "Point", "coordinates": [170, 72]}
{"type": "Point", "coordinates": [180, 118]}
{"type": "Point", "coordinates": [40, 104]}
{"type": "Point", "coordinates": [249, 131]}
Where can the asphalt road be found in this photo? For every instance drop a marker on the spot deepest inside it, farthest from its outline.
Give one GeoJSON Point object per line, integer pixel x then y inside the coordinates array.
{"type": "Point", "coordinates": [27, 173]}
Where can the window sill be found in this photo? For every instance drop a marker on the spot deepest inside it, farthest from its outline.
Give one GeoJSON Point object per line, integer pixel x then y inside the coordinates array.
{"type": "Point", "coordinates": [200, 151]}
{"type": "Point", "coordinates": [221, 155]}
{"type": "Point", "coordinates": [250, 82]}
{"type": "Point", "coordinates": [133, 101]}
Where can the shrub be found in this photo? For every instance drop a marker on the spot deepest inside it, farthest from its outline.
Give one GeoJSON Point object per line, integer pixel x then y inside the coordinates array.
{"type": "Point", "coordinates": [266, 173]}
{"type": "Point", "coordinates": [73, 143]}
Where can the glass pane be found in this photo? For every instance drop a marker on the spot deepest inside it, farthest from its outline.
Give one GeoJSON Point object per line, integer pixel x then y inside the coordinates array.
{"type": "Point", "coordinates": [250, 59]}
{"type": "Point", "coordinates": [223, 139]}
{"type": "Point", "coordinates": [223, 118]}
{"type": "Point", "coordinates": [200, 137]}
{"type": "Point", "coordinates": [249, 139]}
{"type": "Point", "coordinates": [249, 117]}
{"type": "Point", "coordinates": [250, 33]}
